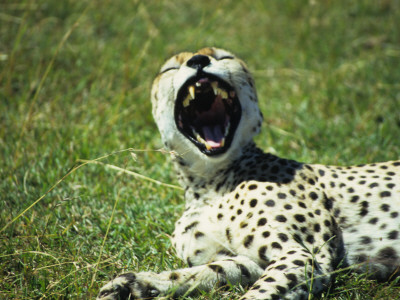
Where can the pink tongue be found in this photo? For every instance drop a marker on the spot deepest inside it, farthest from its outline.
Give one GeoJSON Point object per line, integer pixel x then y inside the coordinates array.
{"type": "Point", "coordinates": [213, 135]}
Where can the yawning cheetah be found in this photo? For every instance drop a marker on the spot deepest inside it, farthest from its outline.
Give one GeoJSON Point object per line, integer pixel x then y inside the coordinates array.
{"type": "Point", "coordinates": [252, 218]}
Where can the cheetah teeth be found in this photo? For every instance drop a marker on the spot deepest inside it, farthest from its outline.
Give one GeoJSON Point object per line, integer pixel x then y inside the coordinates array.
{"type": "Point", "coordinates": [214, 86]}
{"type": "Point", "coordinates": [217, 92]}
{"type": "Point", "coordinates": [208, 146]}
{"type": "Point", "coordinates": [192, 90]}
{"type": "Point", "coordinates": [187, 100]}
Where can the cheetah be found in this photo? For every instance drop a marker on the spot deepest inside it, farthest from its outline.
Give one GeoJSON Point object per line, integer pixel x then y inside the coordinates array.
{"type": "Point", "coordinates": [277, 226]}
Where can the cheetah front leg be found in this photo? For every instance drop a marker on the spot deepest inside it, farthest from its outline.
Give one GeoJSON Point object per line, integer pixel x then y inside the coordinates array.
{"type": "Point", "coordinates": [294, 275]}
{"type": "Point", "coordinates": [147, 285]}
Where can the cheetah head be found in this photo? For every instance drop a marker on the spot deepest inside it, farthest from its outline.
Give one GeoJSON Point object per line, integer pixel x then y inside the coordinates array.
{"type": "Point", "coordinates": [205, 104]}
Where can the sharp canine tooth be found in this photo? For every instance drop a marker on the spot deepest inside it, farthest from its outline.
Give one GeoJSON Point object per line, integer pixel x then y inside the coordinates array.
{"type": "Point", "coordinates": [186, 102]}
{"type": "Point", "coordinates": [191, 91]}
{"type": "Point", "coordinates": [198, 84]}
{"type": "Point", "coordinates": [214, 86]}
{"type": "Point", "coordinates": [201, 140]}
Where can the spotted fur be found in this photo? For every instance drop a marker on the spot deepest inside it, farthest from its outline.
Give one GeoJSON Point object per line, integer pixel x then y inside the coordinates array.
{"type": "Point", "coordinates": [278, 226]}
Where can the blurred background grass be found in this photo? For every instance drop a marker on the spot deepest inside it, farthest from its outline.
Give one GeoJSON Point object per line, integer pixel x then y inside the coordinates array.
{"type": "Point", "coordinates": [74, 84]}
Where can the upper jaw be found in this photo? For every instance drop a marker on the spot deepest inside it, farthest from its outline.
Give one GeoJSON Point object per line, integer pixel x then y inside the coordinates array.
{"type": "Point", "coordinates": [207, 112]}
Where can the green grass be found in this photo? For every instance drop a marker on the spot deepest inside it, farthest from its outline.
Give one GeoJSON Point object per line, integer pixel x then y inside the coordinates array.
{"type": "Point", "coordinates": [74, 85]}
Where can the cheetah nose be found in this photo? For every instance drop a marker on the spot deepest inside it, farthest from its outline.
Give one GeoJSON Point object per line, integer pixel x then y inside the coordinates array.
{"type": "Point", "coordinates": [198, 62]}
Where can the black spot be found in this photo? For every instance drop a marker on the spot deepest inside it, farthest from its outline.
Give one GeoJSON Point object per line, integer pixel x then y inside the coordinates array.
{"type": "Point", "coordinates": [220, 216]}
{"type": "Point", "coordinates": [310, 239]}
{"type": "Point", "coordinates": [302, 204]}
{"type": "Point", "coordinates": [393, 235]}
{"type": "Point", "coordinates": [187, 228]}
{"type": "Point", "coordinates": [385, 194]}
{"type": "Point", "coordinates": [313, 195]}
{"type": "Point", "coordinates": [311, 181]}
{"type": "Point", "coordinates": [270, 203]}
{"type": "Point", "coordinates": [321, 172]}
{"type": "Point", "coordinates": [248, 240]}
{"type": "Point", "coordinates": [365, 240]}
{"type": "Point", "coordinates": [281, 267]}
{"type": "Point", "coordinates": [326, 237]}
{"type": "Point", "coordinates": [374, 184]}
{"type": "Point", "coordinates": [198, 234]}
{"type": "Point", "coordinates": [350, 190]}
{"type": "Point", "coordinates": [269, 187]}
{"type": "Point", "coordinates": [283, 237]}
{"type": "Point", "coordinates": [298, 262]}
{"type": "Point", "coordinates": [394, 214]}
{"type": "Point", "coordinates": [266, 234]}
{"type": "Point", "coordinates": [364, 208]}
{"type": "Point", "coordinates": [301, 187]}
{"type": "Point", "coordinates": [317, 212]}
{"type": "Point", "coordinates": [327, 223]}
{"type": "Point", "coordinates": [269, 279]}
{"type": "Point", "coordinates": [276, 245]}
{"type": "Point", "coordinates": [197, 252]}
{"type": "Point", "coordinates": [243, 224]}
{"type": "Point", "coordinates": [390, 185]}
{"type": "Point", "coordinates": [262, 222]}
{"type": "Point", "coordinates": [385, 207]}
{"type": "Point", "coordinates": [281, 195]}
{"type": "Point", "coordinates": [317, 227]}
{"type": "Point", "coordinates": [354, 199]}
{"type": "Point", "coordinates": [261, 253]}
{"type": "Point", "coordinates": [387, 253]}
{"type": "Point", "coordinates": [239, 211]}
{"type": "Point", "coordinates": [253, 202]}
{"type": "Point", "coordinates": [300, 218]}
{"type": "Point", "coordinates": [252, 186]}
{"type": "Point", "coordinates": [281, 218]}
{"type": "Point", "coordinates": [288, 206]}
{"type": "Point", "coordinates": [373, 221]}
{"type": "Point", "coordinates": [328, 203]}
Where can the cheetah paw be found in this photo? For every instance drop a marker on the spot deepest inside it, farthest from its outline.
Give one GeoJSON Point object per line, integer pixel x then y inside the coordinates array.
{"type": "Point", "coordinates": [128, 286]}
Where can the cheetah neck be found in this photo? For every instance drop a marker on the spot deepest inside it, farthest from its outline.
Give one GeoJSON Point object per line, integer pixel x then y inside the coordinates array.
{"type": "Point", "coordinates": [221, 178]}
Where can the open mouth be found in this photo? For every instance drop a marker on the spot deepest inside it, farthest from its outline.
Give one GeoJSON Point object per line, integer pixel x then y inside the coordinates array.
{"type": "Point", "coordinates": [207, 112]}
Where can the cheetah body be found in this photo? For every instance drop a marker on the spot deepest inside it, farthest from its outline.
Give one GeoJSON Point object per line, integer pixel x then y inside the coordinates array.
{"type": "Point", "coordinates": [251, 218]}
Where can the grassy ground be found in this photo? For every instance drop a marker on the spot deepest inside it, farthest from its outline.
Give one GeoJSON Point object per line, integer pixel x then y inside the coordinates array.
{"type": "Point", "coordinates": [74, 85]}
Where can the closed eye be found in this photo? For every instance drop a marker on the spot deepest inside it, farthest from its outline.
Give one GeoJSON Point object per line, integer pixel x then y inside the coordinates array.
{"type": "Point", "coordinates": [226, 57]}
{"type": "Point", "coordinates": [168, 69]}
